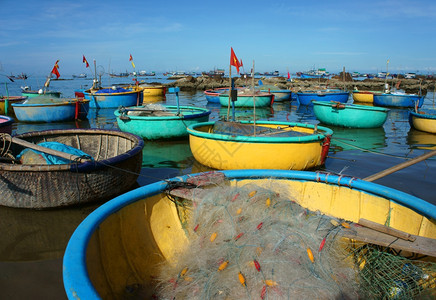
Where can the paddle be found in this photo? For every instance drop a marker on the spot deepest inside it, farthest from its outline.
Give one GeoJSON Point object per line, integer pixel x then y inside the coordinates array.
{"type": "Point", "coordinates": [68, 156]}
{"type": "Point", "coordinates": [400, 166]}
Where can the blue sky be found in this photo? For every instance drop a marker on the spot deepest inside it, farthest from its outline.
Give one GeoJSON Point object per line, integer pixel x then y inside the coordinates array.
{"type": "Point", "coordinates": [197, 35]}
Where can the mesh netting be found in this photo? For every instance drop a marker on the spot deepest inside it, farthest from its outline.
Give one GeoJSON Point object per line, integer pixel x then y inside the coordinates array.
{"type": "Point", "coordinates": [252, 242]}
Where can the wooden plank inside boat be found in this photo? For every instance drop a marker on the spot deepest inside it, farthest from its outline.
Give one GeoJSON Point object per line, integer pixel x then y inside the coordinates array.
{"type": "Point", "coordinates": [242, 129]}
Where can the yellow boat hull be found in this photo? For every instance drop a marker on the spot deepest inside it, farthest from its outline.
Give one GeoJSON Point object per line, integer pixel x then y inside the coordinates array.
{"type": "Point", "coordinates": [363, 97]}
{"type": "Point", "coordinates": [250, 153]}
{"type": "Point", "coordinates": [153, 91]}
{"type": "Point", "coordinates": [424, 124]}
{"type": "Point", "coordinates": [138, 234]}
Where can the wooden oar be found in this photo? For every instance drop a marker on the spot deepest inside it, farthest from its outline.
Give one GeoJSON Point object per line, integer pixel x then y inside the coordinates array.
{"type": "Point", "coordinates": [400, 166]}
{"type": "Point", "coordinates": [68, 156]}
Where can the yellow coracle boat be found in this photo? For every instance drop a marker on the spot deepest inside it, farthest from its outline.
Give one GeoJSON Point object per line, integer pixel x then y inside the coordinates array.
{"type": "Point", "coordinates": [364, 96]}
{"type": "Point", "coordinates": [423, 120]}
{"type": "Point", "coordinates": [119, 250]}
{"type": "Point", "coordinates": [263, 145]}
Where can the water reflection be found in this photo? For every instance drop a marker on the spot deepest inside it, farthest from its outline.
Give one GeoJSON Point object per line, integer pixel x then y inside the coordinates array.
{"type": "Point", "coordinates": [357, 138]}
{"type": "Point", "coordinates": [167, 154]}
{"type": "Point", "coordinates": [33, 235]}
{"type": "Point", "coordinates": [421, 140]}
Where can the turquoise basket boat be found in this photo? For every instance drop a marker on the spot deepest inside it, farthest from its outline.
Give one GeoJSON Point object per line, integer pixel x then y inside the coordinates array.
{"type": "Point", "coordinates": [350, 115]}
{"type": "Point", "coordinates": [164, 123]}
{"type": "Point", "coordinates": [112, 98]}
{"type": "Point", "coordinates": [306, 98]}
{"type": "Point", "coordinates": [31, 94]}
{"type": "Point", "coordinates": [246, 100]}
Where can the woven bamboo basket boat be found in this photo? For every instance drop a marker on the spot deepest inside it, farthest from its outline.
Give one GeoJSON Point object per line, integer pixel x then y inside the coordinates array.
{"type": "Point", "coordinates": [116, 163]}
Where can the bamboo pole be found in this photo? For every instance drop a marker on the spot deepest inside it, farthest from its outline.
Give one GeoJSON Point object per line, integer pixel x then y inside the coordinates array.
{"type": "Point", "coordinates": [230, 91]}
{"type": "Point", "coordinates": [254, 102]}
{"type": "Point", "coordinates": [400, 166]}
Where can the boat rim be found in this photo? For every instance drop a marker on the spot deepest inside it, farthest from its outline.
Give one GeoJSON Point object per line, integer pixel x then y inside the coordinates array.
{"type": "Point", "coordinates": [351, 106]}
{"type": "Point", "coordinates": [202, 112]}
{"type": "Point", "coordinates": [75, 274]}
{"type": "Point", "coordinates": [422, 116]}
{"type": "Point", "coordinates": [78, 166]}
{"type": "Point", "coordinates": [70, 102]}
{"type": "Point", "coordinates": [265, 139]}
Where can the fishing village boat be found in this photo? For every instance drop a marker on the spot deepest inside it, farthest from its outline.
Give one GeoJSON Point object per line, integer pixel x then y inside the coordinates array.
{"type": "Point", "coordinates": [153, 90]}
{"type": "Point", "coordinates": [113, 97]}
{"type": "Point", "coordinates": [106, 163]}
{"type": "Point", "coordinates": [259, 145]}
{"type": "Point", "coordinates": [246, 98]}
{"type": "Point", "coordinates": [364, 96]}
{"type": "Point", "coordinates": [153, 122]}
{"type": "Point", "coordinates": [213, 95]}
{"type": "Point", "coordinates": [279, 95]}
{"type": "Point", "coordinates": [48, 109]}
{"type": "Point", "coordinates": [194, 236]}
{"type": "Point", "coordinates": [6, 124]}
{"type": "Point", "coordinates": [349, 115]}
{"type": "Point", "coordinates": [33, 93]}
{"type": "Point", "coordinates": [398, 100]}
{"type": "Point", "coordinates": [423, 120]}
{"type": "Point", "coordinates": [306, 97]}
{"type": "Point", "coordinates": [6, 110]}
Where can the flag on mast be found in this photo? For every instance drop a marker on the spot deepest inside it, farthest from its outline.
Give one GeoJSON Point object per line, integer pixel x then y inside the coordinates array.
{"type": "Point", "coordinates": [234, 60]}
{"type": "Point", "coordinates": [55, 70]}
{"type": "Point", "coordinates": [85, 61]}
{"type": "Point", "coordinates": [131, 59]}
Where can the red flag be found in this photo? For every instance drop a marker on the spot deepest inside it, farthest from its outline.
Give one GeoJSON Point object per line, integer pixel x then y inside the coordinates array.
{"type": "Point", "coordinates": [85, 61]}
{"type": "Point", "coordinates": [289, 75]}
{"type": "Point", "coordinates": [131, 58]}
{"type": "Point", "coordinates": [55, 70]}
{"type": "Point", "coordinates": [241, 63]}
{"type": "Point", "coordinates": [234, 60]}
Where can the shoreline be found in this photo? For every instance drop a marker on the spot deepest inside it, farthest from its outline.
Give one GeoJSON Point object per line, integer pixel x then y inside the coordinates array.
{"type": "Point", "coordinates": [412, 86]}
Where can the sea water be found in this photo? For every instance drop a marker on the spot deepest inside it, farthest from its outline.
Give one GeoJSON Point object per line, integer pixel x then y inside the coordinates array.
{"type": "Point", "coordinates": [33, 242]}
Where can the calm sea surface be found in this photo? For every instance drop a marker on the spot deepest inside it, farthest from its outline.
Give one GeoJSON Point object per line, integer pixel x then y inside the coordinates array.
{"type": "Point", "coordinates": [32, 243]}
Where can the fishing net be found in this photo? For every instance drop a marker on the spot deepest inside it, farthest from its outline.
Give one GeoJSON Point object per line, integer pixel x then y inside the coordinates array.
{"type": "Point", "coordinates": [384, 274]}
{"type": "Point", "coordinates": [252, 242]}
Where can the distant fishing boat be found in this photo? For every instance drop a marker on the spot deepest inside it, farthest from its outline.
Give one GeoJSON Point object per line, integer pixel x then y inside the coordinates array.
{"type": "Point", "coordinates": [263, 145]}
{"type": "Point", "coordinates": [398, 100]}
{"type": "Point", "coordinates": [319, 73]}
{"type": "Point", "coordinates": [246, 98]}
{"type": "Point", "coordinates": [306, 97]}
{"type": "Point", "coordinates": [423, 120]}
{"type": "Point", "coordinates": [47, 109]}
{"type": "Point", "coordinates": [153, 122]}
{"type": "Point", "coordinates": [112, 97]}
{"type": "Point", "coordinates": [6, 124]}
{"type": "Point", "coordinates": [349, 115]}
{"type": "Point", "coordinates": [364, 96]}
{"type": "Point", "coordinates": [122, 74]}
{"type": "Point", "coordinates": [83, 75]}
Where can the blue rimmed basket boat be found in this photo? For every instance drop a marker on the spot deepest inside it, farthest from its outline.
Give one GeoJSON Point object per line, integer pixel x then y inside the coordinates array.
{"type": "Point", "coordinates": [213, 96]}
{"type": "Point", "coordinates": [349, 115]}
{"type": "Point", "coordinates": [46, 109]}
{"type": "Point", "coordinates": [279, 95]}
{"type": "Point", "coordinates": [6, 124]}
{"type": "Point", "coordinates": [112, 97]}
{"type": "Point", "coordinates": [116, 251]}
{"type": "Point", "coordinates": [115, 166]}
{"type": "Point", "coordinates": [306, 97]}
{"type": "Point", "coordinates": [398, 100]}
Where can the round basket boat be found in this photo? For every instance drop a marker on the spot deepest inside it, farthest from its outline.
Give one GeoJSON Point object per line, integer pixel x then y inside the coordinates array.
{"type": "Point", "coordinates": [275, 145]}
{"type": "Point", "coordinates": [115, 166]}
{"type": "Point", "coordinates": [116, 251]}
